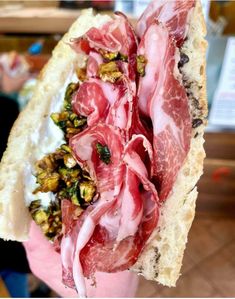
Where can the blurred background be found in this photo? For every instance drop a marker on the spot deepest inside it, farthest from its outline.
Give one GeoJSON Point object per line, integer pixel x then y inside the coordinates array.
{"type": "Point", "coordinates": [29, 30]}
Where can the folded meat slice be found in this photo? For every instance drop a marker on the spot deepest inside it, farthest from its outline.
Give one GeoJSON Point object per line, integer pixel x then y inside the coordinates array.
{"type": "Point", "coordinates": [93, 63]}
{"type": "Point", "coordinates": [163, 98]}
{"type": "Point", "coordinates": [140, 150]}
{"type": "Point", "coordinates": [71, 226]}
{"type": "Point", "coordinates": [123, 231]}
{"type": "Point", "coordinates": [115, 36]}
{"type": "Point", "coordinates": [121, 112]}
{"type": "Point", "coordinates": [94, 98]}
{"type": "Point", "coordinates": [110, 103]}
{"type": "Point", "coordinates": [107, 176]}
{"type": "Point", "coordinates": [173, 14]}
{"type": "Point", "coordinates": [97, 98]}
{"type": "Point", "coordinates": [137, 156]}
{"type": "Point", "coordinates": [111, 233]}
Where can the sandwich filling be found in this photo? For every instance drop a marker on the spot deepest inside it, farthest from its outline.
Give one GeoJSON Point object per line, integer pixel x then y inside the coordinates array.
{"type": "Point", "coordinates": [127, 129]}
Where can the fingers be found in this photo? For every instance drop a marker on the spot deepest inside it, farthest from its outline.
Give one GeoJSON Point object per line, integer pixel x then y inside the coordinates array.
{"type": "Point", "coordinates": [120, 285]}
{"type": "Point", "coordinates": [45, 263]}
{"type": "Point", "coordinates": [13, 84]}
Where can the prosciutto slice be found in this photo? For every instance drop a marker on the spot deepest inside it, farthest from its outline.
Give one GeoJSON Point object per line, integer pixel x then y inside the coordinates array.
{"type": "Point", "coordinates": [93, 63]}
{"type": "Point", "coordinates": [103, 101]}
{"type": "Point", "coordinates": [108, 250]}
{"type": "Point", "coordinates": [116, 36]}
{"type": "Point", "coordinates": [94, 98]}
{"type": "Point", "coordinates": [106, 176]}
{"type": "Point", "coordinates": [111, 103]}
{"type": "Point", "coordinates": [69, 221]}
{"type": "Point", "coordinates": [111, 233]}
{"type": "Point", "coordinates": [166, 103]}
{"type": "Point", "coordinates": [173, 14]}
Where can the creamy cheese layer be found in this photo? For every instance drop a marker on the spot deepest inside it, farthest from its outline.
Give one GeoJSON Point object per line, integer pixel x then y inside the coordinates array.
{"type": "Point", "coordinates": [46, 139]}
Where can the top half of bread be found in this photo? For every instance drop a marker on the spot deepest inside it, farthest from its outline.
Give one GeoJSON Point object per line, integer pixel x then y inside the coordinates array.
{"type": "Point", "coordinates": [162, 257]}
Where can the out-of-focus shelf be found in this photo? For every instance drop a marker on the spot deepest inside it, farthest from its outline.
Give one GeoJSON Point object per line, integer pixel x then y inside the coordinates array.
{"type": "Point", "coordinates": [40, 20]}
{"type": "Point", "coordinates": [36, 20]}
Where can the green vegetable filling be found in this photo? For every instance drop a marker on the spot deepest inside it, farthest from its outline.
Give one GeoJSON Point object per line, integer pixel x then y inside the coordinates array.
{"type": "Point", "coordinates": [49, 219]}
{"type": "Point", "coordinates": [69, 122]}
{"type": "Point", "coordinates": [141, 63]}
{"type": "Point", "coordinates": [111, 56]}
{"type": "Point", "coordinates": [109, 72]}
{"type": "Point", "coordinates": [103, 152]}
{"type": "Point", "coordinates": [59, 173]}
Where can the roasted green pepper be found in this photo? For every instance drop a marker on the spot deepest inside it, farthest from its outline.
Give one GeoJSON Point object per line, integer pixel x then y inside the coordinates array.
{"type": "Point", "coordinates": [103, 152]}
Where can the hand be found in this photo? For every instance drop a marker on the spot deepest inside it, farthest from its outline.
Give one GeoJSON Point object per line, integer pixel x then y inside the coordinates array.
{"type": "Point", "coordinates": [45, 264]}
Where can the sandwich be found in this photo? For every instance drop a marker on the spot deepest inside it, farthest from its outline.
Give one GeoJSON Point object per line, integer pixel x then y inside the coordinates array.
{"type": "Point", "coordinates": [107, 154]}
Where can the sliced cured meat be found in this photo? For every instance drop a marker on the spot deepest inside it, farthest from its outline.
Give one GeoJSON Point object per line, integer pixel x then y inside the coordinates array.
{"type": "Point", "coordinates": [103, 101]}
{"type": "Point", "coordinates": [111, 233]}
{"type": "Point", "coordinates": [93, 99]}
{"type": "Point", "coordinates": [93, 63]}
{"type": "Point", "coordinates": [77, 236]}
{"type": "Point", "coordinates": [131, 43]}
{"type": "Point", "coordinates": [130, 39]}
{"type": "Point", "coordinates": [108, 178]}
{"type": "Point", "coordinates": [105, 255]}
{"type": "Point", "coordinates": [120, 113]}
{"type": "Point", "coordinates": [138, 156]}
{"type": "Point", "coordinates": [155, 67]}
{"type": "Point", "coordinates": [84, 145]}
{"type": "Point", "coordinates": [67, 246]}
{"type": "Point", "coordinates": [121, 234]}
{"type": "Point", "coordinates": [116, 36]}
{"type": "Point", "coordinates": [173, 14]}
{"type": "Point", "coordinates": [70, 214]}
{"type": "Point", "coordinates": [119, 237]}
{"type": "Point", "coordinates": [71, 228]}
{"type": "Point", "coordinates": [130, 207]}
{"type": "Point", "coordinates": [166, 103]}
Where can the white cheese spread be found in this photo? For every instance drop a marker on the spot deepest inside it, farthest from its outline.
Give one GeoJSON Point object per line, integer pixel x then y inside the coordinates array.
{"type": "Point", "coordinates": [47, 138]}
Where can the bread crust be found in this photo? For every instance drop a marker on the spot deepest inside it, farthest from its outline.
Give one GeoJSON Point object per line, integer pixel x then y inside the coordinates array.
{"type": "Point", "coordinates": [162, 257]}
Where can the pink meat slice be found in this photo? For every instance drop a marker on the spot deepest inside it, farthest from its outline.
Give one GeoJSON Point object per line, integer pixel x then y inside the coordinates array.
{"type": "Point", "coordinates": [163, 98]}
{"type": "Point", "coordinates": [173, 14]}
{"type": "Point", "coordinates": [111, 233]}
